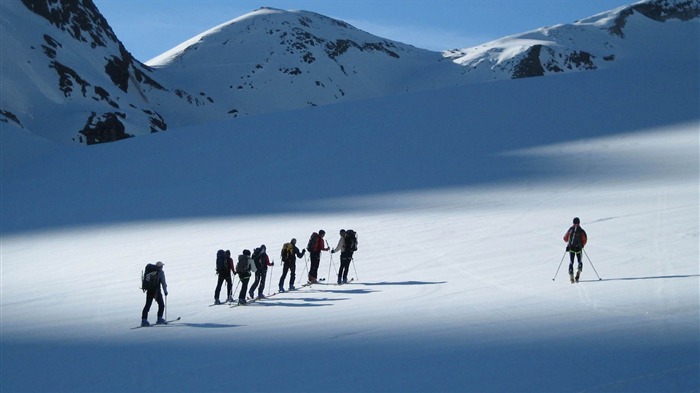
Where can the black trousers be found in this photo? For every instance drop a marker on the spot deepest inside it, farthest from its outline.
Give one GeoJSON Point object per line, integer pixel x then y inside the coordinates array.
{"type": "Point", "coordinates": [315, 262]}
{"type": "Point", "coordinates": [220, 282]}
{"type": "Point", "coordinates": [244, 286]}
{"type": "Point", "coordinates": [259, 283]}
{"type": "Point", "coordinates": [291, 267]}
{"type": "Point", "coordinates": [345, 259]}
{"type": "Point", "coordinates": [150, 295]}
{"type": "Point", "coordinates": [571, 264]}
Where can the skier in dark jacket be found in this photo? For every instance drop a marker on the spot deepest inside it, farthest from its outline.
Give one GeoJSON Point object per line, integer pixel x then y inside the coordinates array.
{"type": "Point", "coordinates": [345, 258]}
{"type": "Point", "coordinates": [315, 246]}
{"type": "Point", "coordinates": [289, 255]}
{"type": "Point", "coordinates": [575, 238]}
{"type": "Point", "coordinates": [225, 275]}
{"type": "Point", "coordinates": [154, 292]}
{"type": "Point", "coordinates": [262, 261]}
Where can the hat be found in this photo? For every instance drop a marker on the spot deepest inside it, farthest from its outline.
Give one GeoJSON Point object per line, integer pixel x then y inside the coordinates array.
{"type": "Point", "coordinates": [159, 264]}
{"type": "Point", "coordinates": [576, 220]}
{"type": "Point", "coordinates": [246, 253]}
{"type": "Point", "coordinates": [294, 241]}
{"type": "Point", "coordinates": [321, 232]}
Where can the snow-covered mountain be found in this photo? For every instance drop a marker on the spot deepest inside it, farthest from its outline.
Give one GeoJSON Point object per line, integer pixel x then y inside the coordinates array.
{"type": "Point", "coordinates": [589, 44]}
{"type": "Point", "coordinates": [460, 195]}
{"type": "Point", "coordinates": [66, 76]}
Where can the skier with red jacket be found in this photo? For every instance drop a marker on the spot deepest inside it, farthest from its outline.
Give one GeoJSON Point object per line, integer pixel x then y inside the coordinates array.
{"type": "Point", "coordinates": [315, 246]}
{"type": "Point", "coordinates": [575, 238]}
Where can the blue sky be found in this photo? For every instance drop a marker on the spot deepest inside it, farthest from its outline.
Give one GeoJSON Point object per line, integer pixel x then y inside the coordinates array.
{"type": "Point", "coordinates": [150, 27]}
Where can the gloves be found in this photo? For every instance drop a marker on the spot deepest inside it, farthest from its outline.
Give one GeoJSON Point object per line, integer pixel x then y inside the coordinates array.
{"type": "Point", "coordinates": [332, 251]}
{"type": "Point", "coordinates": [166, 293]}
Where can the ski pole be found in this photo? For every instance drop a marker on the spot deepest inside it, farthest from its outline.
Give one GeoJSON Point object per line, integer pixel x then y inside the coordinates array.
{"type": "Point", "coordinates": [270, 285]}
{"type": "Point", "coordinates": [236, 290]}
{"type": "Point", "coordinates": [589, 261]}
{"type": "Point", "coordinates": [331, 264]}
{"type": "Point", "coordinates": [166, 307]}
{"type": "Point", "coordinates": [353, 266]}
{"type": "Point", "coordinates": [329, 267]}
{"type": "Point", "coordinates": [560, 262]}
{"type": "Point", "coordinates": [306, 266]}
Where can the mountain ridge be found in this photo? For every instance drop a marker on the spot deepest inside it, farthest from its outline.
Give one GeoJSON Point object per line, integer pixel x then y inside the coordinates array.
{"type": "Point", "coordinates": [80, 84]}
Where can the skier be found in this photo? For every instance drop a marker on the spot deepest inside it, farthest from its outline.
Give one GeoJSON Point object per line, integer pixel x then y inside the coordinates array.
{"type": "Point", "coordinates": [262, 261]}
{"type": "Point", "coordinates": [289, 255]}
{"type": "Point", "coordinates": [575, 238]}
{"type": "Point", "coordinates": [345, 258]}
{"type": "Point", "coordinates": [315, 246]}
{"type": "Point", "coordinates": [225, 275]}
{"type": "Point", "coordinates": [153, 291]}
{"type": "Point", "coordinates": [244, 267]}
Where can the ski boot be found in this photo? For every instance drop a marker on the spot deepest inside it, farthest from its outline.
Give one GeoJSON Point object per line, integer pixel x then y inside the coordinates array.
{"type": "Point", "coordinates": [217, 301]}
{"type": "Point", "coordinates": [261, 296]}
{"type": "Point", "coordinates": [292, 288]}
{"type": "Point", "coordinates": [161, 321]}
{"type": "Point", "coordinates": [281, 289]}
{"type": "Point", "coordinates": [578, 274]}
{"type": "Point", "coordinates": [571, 277]}
{"type": "Point", "coordinates": [144, 323]}
{"type": "Point", "coordinates": [242, 302]}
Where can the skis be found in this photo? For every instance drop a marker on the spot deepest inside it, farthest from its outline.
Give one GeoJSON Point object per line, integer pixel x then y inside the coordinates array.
{"type": "Point", "coordinates": [157, 324]}
{"type": "Point", "coordinates": [348, 282]}
{"type": "Point", "coordinates": [253, 300]}
{"type": "Point", "coordinates": [221, 303]}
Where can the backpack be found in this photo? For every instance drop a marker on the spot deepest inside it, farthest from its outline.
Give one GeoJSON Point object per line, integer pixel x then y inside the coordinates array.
{"type": "Point", "coordinates": [350, 240]}
{"type": "Point", "coordinates": [287, 251]}
{"type": "Point", "coordinates": [256, 259]}
{"type": "Point", "coordinates": [242, 265]}
{"type": "Point", "coordinates": [149, 278]}
{"type": "Point", "coordinates": [575, 242]}
{"type": "Point", "coordinates": [313, 242]}
{"type": "Point", "coordinates": [221, 262]}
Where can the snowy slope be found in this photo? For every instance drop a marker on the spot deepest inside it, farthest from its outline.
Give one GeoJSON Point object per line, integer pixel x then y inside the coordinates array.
{"type": "Point", "coordinates": [460, 197]}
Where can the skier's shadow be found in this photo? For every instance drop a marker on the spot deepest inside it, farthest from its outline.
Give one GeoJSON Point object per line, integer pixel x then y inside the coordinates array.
{"type": "Point", "coordinates": [205, 325]}
{"type": "Point", "coordinates": [644, 278]}
{"type": "Point", "coordinates": [404, 283]}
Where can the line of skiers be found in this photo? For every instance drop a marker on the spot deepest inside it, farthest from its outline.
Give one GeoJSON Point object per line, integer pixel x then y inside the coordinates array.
{"type": "Point", "coordinates": [257, 263]}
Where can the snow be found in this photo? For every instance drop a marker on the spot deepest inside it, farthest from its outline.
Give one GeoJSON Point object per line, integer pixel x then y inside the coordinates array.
{"type": "Point", "coordinates": [460, 197]}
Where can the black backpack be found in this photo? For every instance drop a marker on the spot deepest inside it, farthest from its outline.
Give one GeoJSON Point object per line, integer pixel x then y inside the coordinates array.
{"type": "Point", "coordinates": [313, 242]}
{"type": "Point", "coordinates": [221, 262]}
{"type": "Point", "coordinates": [350, 240]}
{"type": "Point", "coordinates": [242, 265]}
{"type": "Point", "coordinates": [575, 242]}
{"type": "Point", "coordinates": [149, 278]}
{"type": "Point", "coordinates": [259, 265]}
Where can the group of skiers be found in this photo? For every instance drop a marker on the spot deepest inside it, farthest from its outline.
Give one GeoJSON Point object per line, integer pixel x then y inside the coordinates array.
{"type": "Point", "coordinates": [254, 265]}
{"type": "Point", "coordinates": [258, 261]}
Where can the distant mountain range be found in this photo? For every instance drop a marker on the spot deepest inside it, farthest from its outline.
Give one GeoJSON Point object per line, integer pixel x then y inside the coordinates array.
{"type": "Point", "coordinates": [67, 78]}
